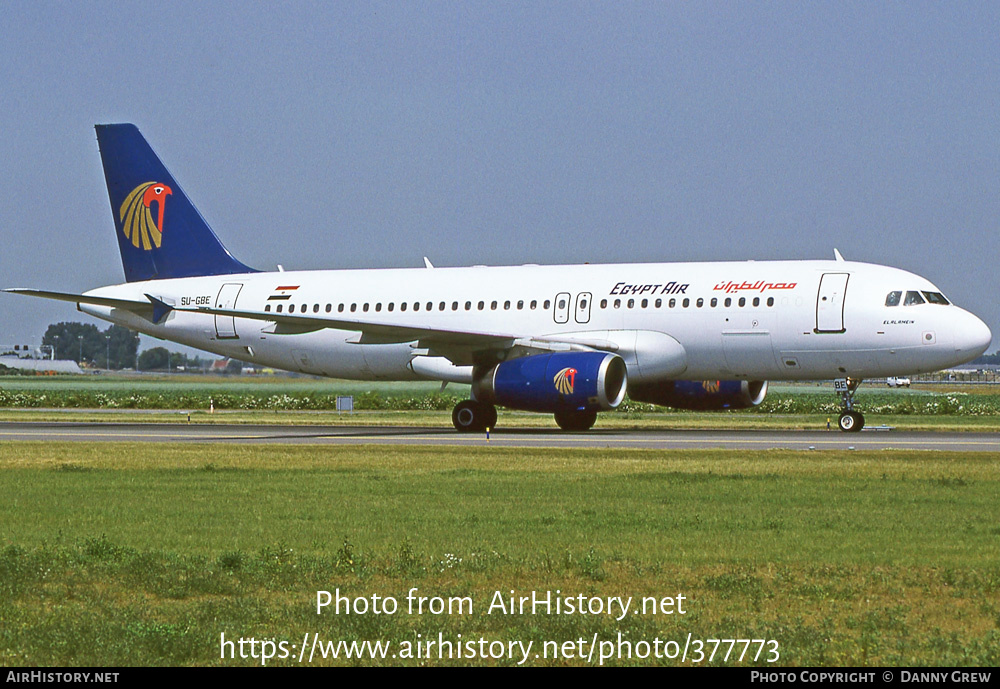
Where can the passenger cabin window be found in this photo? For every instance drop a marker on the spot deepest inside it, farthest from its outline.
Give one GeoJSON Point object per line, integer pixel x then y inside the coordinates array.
{"type": "Point", "coordinates": [267, 307]}
{"type": "Point", "coordinates": [892, 299]}
{"type": "Point", "coordinates": [913, 298]}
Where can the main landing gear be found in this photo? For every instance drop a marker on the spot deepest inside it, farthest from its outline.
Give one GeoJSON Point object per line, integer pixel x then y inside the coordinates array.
{"type": "Point", "coordinates": [471, 416]}
{"type": "Point", "coordinates": [576, 420]}
{"type": "Point", "coordinates": [850, 421]}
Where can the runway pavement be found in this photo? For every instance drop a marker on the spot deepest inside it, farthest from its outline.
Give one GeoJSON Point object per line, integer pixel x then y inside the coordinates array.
{"type": "Point", "coordinates": [404, 435]}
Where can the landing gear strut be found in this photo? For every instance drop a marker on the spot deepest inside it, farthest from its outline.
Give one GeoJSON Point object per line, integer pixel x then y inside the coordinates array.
{"type": "Point", "coordinates": [850, 421]}
{"type": "Point", "coordinates": [471, 416]}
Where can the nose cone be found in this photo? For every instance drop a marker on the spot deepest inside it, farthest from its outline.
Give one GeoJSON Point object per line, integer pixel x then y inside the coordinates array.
{"type": "Point", "coordinates": [972, 337]}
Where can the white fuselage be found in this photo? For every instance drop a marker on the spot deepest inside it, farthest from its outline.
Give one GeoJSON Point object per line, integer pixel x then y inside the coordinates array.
{"type": "Point", "coordinates": [786, 320]}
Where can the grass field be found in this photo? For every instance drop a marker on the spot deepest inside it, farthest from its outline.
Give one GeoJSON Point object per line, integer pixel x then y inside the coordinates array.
{"type": "Point", "coordinates": [140, 554]}
{"type": "Point", "coordinates": [180, 399]}
{"type": "Point", "coordinates": [739, 420]}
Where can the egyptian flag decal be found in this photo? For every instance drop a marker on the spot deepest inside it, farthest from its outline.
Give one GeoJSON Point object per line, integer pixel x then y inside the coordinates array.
{"type": "Point", "coordinates": [283, 293]}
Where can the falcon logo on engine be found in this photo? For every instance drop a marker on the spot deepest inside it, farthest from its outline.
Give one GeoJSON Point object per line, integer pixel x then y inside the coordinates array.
{"type": "Point", "coordinates": [564, 380]}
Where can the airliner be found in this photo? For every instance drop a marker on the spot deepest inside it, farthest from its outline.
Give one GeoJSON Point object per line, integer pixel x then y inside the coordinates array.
{"type": "Point", "coordinates": [567, 340]}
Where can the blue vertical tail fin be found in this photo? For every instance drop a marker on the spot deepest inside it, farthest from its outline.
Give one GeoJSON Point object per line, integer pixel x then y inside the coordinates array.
{"type": "Point", "coordinates": [160, 232]}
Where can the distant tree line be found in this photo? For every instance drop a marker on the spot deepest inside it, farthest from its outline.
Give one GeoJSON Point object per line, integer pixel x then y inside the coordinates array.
{"type": "Point", "coordinates": [161, 359]}
{"type": "Point", "coordinates": [114, 348]}
{"type": "Point", "coordinates": [993, 358]}
{"type": "Point", "coordinates": [117, 348]}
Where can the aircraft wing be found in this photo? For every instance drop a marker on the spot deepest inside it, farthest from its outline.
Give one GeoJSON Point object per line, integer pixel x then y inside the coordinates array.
{"type": "Point", "coordinates": [462, 347]}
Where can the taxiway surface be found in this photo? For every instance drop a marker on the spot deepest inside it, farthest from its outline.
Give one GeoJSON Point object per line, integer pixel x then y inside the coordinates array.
{"type": "Point", "coordinates": [408, 435]}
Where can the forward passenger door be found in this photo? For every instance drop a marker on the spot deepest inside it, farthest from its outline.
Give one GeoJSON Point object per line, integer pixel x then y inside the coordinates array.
{"type": "Point", "coordinates": [830, 302]}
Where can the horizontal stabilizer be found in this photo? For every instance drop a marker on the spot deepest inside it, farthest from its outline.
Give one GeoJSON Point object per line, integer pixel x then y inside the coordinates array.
{"type": "Point", "coordinates": [153, 310]}
{"type": "Point", "coordinates": [83, 299]}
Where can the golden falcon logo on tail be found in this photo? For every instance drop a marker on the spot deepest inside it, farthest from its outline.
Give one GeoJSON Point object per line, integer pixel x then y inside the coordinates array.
{"type": "Point", "coordinates": [564, 380]}
{"type": "Point", "coordinates": [137, 218]}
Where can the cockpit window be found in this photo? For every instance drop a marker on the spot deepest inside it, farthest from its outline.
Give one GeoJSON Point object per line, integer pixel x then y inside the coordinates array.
{"type": "Point", "coordinates": [936, 298]}
{"type": "Point", "coordinates": [913, 298]}
{"type": "Point", "coordinates": [892, 299]}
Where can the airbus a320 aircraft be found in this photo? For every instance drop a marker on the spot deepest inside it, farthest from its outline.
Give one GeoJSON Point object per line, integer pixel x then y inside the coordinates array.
{"type": "Point", "coordinates": [567, 340]}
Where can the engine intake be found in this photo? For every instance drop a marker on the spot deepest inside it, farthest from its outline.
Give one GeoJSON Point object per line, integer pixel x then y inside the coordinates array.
{"type": "Point", "coordinates": [562, 381]}
{"type": "Point", "coordinates": [705, 395]}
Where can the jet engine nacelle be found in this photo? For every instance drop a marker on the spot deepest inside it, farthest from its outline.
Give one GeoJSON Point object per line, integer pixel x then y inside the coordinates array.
{"type": "Point", "coordinates": [706, 395]}
{"type": "Point", "coordinates": [558, 382]}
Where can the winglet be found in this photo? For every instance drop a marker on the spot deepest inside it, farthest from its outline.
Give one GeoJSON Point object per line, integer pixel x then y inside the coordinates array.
{"type": "Point", "coordinates": [161, 309]}
{"type": "Point", "coordinates": [836, 255]}
{"type": "Point", "coordinates": [427, 263]}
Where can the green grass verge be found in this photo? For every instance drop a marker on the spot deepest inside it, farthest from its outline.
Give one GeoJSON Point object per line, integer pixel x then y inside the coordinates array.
{"type": "Point", "coordinates": [508, 420]}
{"type": "Point", "coordinates": [287, 394]}
{"type": "Point", "coordinates": [142, 554]}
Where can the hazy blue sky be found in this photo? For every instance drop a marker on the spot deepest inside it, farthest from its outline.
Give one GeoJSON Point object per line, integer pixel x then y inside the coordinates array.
{"type": "Point", "coordinates": [335, 135]}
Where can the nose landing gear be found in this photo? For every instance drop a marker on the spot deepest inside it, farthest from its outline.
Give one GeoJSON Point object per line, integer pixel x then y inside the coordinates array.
{"type": "Point", "coordinates": [850, 421]}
